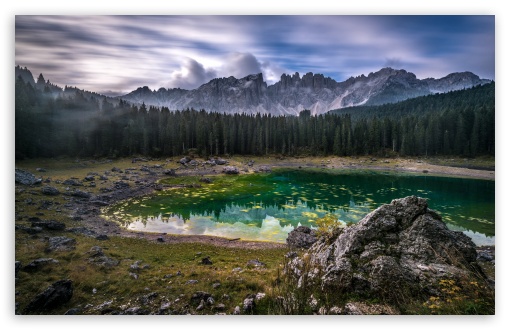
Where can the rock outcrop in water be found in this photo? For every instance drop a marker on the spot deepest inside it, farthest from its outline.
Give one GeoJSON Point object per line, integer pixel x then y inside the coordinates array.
{"type": "Point", "coordinates": [400, 249]}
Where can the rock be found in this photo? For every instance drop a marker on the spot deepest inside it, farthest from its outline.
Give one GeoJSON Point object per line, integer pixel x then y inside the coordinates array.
{"type": "Point", "coordinates": [216, 285]}
{"type": "Point", "coordinates": [98, 258]}
{"type": "Point", "coordinates": [264, 168]}
{"type": "Point", "coordinates": [219, 308]}
{"type": "Point", "coordinates": [259, 296]}
{"type": "Point", "coordinates": [89, 178]}
{"type": "Point", "coordinates": [237, 269]}
{"type": "Point", "coordinates": [220, 161]}
{"type": "Point", "coordinates": [170, 172]}
{"type": "Point", "coordinates": [199, 296]}
{"type": "Point", "coordinates": [37, 264]}
{"type": "Point", "coordinates": [49, 224]}
{"type": "Point", "coordinates": [250, 163]}
{"type": "Point", "coordinates": [73, 311]}
{"type": "Point", "coordinates": [54, 296]}
{"type": "Point", "coordinates": [206, 180]}
{"type": "Point", "coordinates": [121, 185]}
{"type": "Point", "coordinates": [82, 231]}
{"type": "Point", "coordinates": [301, 238]}
{"type": "Point", "coordinates": [184, 160]}
{"type": "Point", "coordinates": [80, 194]}
{"type": "Point", "coordinates": [201, 306]}
{"type": "Point", "coordinates": [206, 261]}
{"type": "Point", "coordinates": [133, 275]}
{"type": "Point", "coordinates": [72, 182]}
{"type": "Point", "coordinates": [160, 239]}
{"type": "Point", "coordinates": [249, 304]}
{"type": "Point", "coordinates": [359, 308]}
{"type": "Point", "coordinates": [237, 311]}
{"type": "Point", "coordinates": [191, 282]}
{"type": "Point", "coordinates": [210, 301]}
{"type": "Point", "coordinates": [230, 170]}
{"type": "Point", "coordinates": [102, 237]}
{"type": "Point", "coordinates": [61, 243]}
{"type": "Point", "coordinates": [255, 263]}
{"type": "Point", "coordinates": [25, 178]}
{"type": "Point", "coordinates": [402, 249]}
{"type": "Point", "coordinates": [193, 162]}
{"type": "Point", "coordinates": [50, 191]}
{"type": "Point", "coordinates": [116, 169]}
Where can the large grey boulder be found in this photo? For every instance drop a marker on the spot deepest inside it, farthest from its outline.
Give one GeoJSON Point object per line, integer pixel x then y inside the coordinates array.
{"type": "Point", "coordinates": [301, 237]}
{"type": "Point", "coordinates": [26, 178]}
{"type": "Point", "coordinates": [400, 249]}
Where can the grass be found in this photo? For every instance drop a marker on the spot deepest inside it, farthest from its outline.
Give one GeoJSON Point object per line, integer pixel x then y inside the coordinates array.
{"type": "Point", "coordinates": [159, 283]}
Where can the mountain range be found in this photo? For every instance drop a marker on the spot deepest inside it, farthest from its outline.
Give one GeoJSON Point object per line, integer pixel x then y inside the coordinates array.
{"type": "Point", "coordinates": [294, 93]}
{"type": "Point", "coordinates": [290, 95]}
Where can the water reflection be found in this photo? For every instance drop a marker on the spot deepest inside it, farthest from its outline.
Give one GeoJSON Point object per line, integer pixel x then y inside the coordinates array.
{"type": "Point", "coordinates": [268, 207]}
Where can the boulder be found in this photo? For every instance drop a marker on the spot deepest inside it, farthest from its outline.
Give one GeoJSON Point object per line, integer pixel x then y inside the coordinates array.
{"type": "Point", "coordinates": [50, 191]}
{"type": "Point", "coordinates": [26, 178]}
{"type": "Point", "coordinates": [170, 172]}
{"type": "Point", "coordinates": [220, 161]}
{"type": "Point", "coordinates": [49, 224]}
{"type": "Point", "coordinates": [184, 160]}
{"type": "Point", "coordinates": [80, 194]}
{"type": "Point", "coordinates": [98, 257]}
{"type": "Point", "coordinates": [230, 170]}
{"type": "Point", "coordinates": [54, 296]}
{"type": "Point", "coordinates": [61, 243]}
{"type": "Point", "coordinates": [301, 238]}
{"type": "Point", "coordinates": [402, 249]}
{"type": "Point", "coordinates": [72, 182]}
{"type": "Point", "coordinates": [37, 264]}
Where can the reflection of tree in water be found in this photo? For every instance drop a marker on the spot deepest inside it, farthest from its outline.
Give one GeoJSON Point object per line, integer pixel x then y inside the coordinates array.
{"type": "Point", "coordinates": [286, 195]}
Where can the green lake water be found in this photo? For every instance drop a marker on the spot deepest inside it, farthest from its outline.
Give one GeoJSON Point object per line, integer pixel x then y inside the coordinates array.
{"type": "Point", "coordinates": [268, 206]}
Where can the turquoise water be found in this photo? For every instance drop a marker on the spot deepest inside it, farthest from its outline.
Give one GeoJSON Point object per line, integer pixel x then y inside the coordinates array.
{"type": "Point", "coordinates": [268, 206]}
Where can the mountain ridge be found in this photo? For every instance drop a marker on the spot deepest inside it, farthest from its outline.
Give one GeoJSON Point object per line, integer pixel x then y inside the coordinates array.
{"type": "Point", "coordinates": [293, 93]}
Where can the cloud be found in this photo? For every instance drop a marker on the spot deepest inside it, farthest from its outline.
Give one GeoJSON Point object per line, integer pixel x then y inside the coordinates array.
{"type": "Point", "coordinates": [240, 65]}
{"type": "Point", "coordinates": [191, 75]}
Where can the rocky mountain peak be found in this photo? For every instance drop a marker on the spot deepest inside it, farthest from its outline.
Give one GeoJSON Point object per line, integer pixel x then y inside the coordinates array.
{"type": "Point", "coordinates": [294, 93]}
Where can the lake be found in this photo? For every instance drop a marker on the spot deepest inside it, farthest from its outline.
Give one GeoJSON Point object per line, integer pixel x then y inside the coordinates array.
{"type": "Point", "coordinates": [267, 206]}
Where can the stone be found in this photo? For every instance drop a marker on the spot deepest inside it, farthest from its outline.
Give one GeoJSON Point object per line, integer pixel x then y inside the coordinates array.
{"type": "Point", "coordinates": [400, 249]}
{"type": "Point", "coordinates": [237, 310]}
{"type": "Point", "coordinates": [61, 243]}
{"type": "Point", "coordinates": [89, 178]}
{"type": "Point", "coordinates": [230, 170]}
{"type": "Point", "coordinates": [80, 194]}
{"type": "Point", "coordinates": [220, 161]}
{"type": "Point", "coordinates": [216, 285]}
{"type": "Point", "coordinates": [264, 168]}
{"type": "Point", "coordinates": [199, 296]}
{"type": "Point", "coordinates": [301, 238]}
{"type": "Point", "coordinates": [219, 308]}
{"type": "Point", "coordinates": [170, 172]}
{"type": "Point", "coordinates": [249, 304]}
{"type": "Point", "coordinates": [255, 263]}
{"type": "Point", "coordinates": [191, 282]}
{"type": "Point", "coordinates": [99, 258]}
{"type": "Point", "coordinates": [184, 160]}
{"type": "Point", "coordinates": [259, 296]}
{"type": "Point", "coordinates": [205, 180]}
{"type": "Point", "coordinates": [37, 264]}
{"type": "Point", "coordinates": [25, 178]}
{"type": "Point", "coordinates": [50, 191]}
{"type": "Point", "coordinates": [54, 296]}
{"type": "Point", "coordinates": [72, 182]}
{"type": "Point", "coordinates": [206, 261]}
{"type": "Point", "coordinates": [49, 224]}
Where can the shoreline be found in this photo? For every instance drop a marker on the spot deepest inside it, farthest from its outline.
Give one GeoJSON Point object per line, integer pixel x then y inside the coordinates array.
{"type": "Point", "coordinates": [144, 178]}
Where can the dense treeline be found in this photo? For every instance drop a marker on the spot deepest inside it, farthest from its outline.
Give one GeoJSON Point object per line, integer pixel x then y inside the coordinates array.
{"type": "Point", "coordinates": [76, 124]}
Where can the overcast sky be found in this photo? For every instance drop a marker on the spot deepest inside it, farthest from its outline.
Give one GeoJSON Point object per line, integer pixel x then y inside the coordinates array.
{"type": "Point", "coordinates": [117, 54]}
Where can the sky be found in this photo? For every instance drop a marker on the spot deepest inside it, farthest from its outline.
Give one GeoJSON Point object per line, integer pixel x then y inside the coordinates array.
{"type": "Point", "coordinates": [117, 54]}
